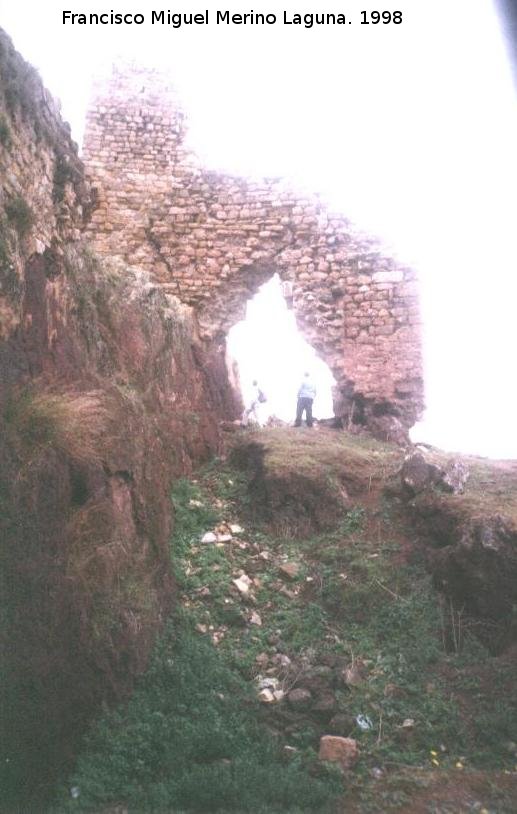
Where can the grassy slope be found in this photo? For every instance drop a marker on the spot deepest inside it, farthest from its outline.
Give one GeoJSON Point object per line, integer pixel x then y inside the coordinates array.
{"type": "Point", "coordinates": [195, 738]}
{"type": "Point", "coordinates": [491, 489]}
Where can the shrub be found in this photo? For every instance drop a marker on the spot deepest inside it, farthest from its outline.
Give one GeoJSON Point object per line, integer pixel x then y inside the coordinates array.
{"type": "Point", "coordinates": [63, 175]}
{"type": "Point", "coordinates": [19, 215]}
{"type": "Point", "coordinates": [5, 132]}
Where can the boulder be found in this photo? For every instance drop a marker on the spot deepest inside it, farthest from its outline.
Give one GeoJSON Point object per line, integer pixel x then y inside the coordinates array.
{"type": "Point", "coordinates": [317, 679]}
{"type": "Point", "coordinates": [341, 724]}
{"type": "Point", "coordinates": [454, 477]}
{"type": "Point", "coordinates": [335, 749]}
{"type": "Point", "coordinates": [290, 569]}
{"type": "Point", "coordinates": [266, 696]}
{"type": "Point", "coordinates": [243, 584]}
{"type": "Point", "coordinates": [300, 697]}
{"type": "Point", "coordinates": [419, 473]}
{"type": "Point", "coordinates": [325, 702]}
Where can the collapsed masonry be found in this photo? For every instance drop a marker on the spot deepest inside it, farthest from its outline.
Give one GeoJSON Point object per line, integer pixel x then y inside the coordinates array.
{"type": "Point", "coordinates": [212, 240]}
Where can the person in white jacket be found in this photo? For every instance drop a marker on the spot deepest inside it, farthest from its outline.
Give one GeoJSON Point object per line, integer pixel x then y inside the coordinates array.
{"type": "Point", "coordinates": [306, 395]}
{"type": "Point", "coordinates": [251, 413]}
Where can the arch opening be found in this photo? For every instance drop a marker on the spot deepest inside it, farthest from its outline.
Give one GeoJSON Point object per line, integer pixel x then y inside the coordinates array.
{"type": "Point", "coordinates": [267, 347]}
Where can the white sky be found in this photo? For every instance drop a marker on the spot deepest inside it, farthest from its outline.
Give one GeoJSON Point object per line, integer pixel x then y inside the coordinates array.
{"type": "Point", "coordinates": [409, 129]}
{"type": "Point", "coordinates": [269, 348]}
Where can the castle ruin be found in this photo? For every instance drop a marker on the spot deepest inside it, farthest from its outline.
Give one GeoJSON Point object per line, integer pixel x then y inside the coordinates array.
{"type": "Point", "coordinates": [212, 239]}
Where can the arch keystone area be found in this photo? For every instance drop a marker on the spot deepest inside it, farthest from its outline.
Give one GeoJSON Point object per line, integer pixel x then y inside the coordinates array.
{"type": "Point", "coordinates": [212, 239]}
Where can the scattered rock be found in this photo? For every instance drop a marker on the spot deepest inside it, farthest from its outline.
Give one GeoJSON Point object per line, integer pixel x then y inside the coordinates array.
{"type": "Point", "coordinates": [209, 537]}
{"type": "Point", "coordinates": [201, 628]}
{"type": "Point", "coordinates": [317, 678]}
{"type": "Point", "coordinates": [339, 750]}
{"type": "Point", "coordinates": [406, 729]}
{"type": "Point", "coordinates": [266, 696]}
{"type": "Point", "coordinates": [289, 751]}
{"type": "Point", "coordinates": [326, 702]}
{"type": "Point", "coordinates": [262, 659]}
{"type": "Point", "coordinates": [353, 676]}
{"type": "Point", "coordinates": [270, 683]}
{"type": "Point", "coordinates": [224, 538]}
{"type": "Point", "coordinates": [235, 528]}
{"type": "Point", "coordinates": [255, 619]}
{"type": "Point", "coordinates": [455, 476]}
{"type": "Point", "coordinates": [243, 584]}
{"type": "Point", "coordinates": [299, 697]}
{"type": "Point", "coordinates": [417, 474]}
{"type": "Point", "coordinates": [217, 635]}
{"type": "Point", "coordinates": [388, 428]}
{"type": "Point", "coordinates": [281, 660]}
{"type": "Point", "coordinates": [393, 691]}
{"type": "Point", "coordinates": [342, 724]}
{"type": "Point", "coordinates": [290, 569]}
{"type": "Point", "coordinates": [279, 695]}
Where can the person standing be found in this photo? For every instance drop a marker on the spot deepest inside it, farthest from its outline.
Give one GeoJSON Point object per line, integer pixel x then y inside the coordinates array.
{"type": "Point", "coordinates": [251, 413]}
{"type": "Point", "coordinates": [306, 396]}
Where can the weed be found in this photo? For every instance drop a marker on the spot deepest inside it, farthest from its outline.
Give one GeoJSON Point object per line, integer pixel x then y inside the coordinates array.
{"type": "Point", "coordinates": [187, 742]}
{"type": "Point", "coordinates": [5, 133]}
{"type": "Point", "coordinates": [20, 215]}
{"type": "Point", "coordinates": [10, 283]}
{"type": "Point", "coordinates": [64, 174]}
{"type": "Point", "coordinates": [70, 422]}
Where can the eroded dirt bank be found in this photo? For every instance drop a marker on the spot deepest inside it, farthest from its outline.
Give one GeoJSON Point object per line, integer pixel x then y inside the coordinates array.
{"type": "Point", "coordinates": [106, 395]}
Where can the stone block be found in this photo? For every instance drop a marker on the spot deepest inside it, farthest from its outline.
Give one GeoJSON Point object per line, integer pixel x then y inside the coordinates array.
{"type": "Point", "coordinates": [336, 749]}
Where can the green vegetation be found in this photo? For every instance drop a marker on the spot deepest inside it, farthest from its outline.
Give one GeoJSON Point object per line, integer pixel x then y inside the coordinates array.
{"type": "Point", "coordinates": [63, 175]}
{"type": "Point", "coordinates": [20, 215]}
{"type": "Point", "coordinates": [68, 421]}
{"type": "Point", "coordinates": [18, 79]}
{"type": "Point", "coordinates": [191, 739]}
{"type": "Point", "coordinates": [10, 283]}
{"type": "Point", "coordinates": [5, 132]}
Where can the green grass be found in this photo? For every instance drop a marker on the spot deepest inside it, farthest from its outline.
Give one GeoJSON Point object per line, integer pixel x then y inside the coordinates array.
{"type": "Point", "coordinates": [186, 742]}
{"type": "Point", "coordinates": [191, 738]}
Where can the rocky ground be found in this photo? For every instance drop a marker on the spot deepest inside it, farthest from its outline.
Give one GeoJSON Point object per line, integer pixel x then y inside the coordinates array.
{"type": "Point", "coordinates": [307, 579]}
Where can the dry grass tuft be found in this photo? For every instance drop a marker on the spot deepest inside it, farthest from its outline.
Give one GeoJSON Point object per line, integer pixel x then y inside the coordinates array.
{"type": "Point", "coordinates": [68, 421]}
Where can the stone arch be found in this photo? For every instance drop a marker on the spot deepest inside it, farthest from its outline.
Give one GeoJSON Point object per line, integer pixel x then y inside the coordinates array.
{"type": "Point", "coordinates": [212, 239]}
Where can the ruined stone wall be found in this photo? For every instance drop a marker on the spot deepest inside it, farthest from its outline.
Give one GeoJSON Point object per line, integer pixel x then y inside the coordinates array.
{"type": "Point", "coordinates": [213, 239]}
{"type": "Point", "coordinates": [43, 196]}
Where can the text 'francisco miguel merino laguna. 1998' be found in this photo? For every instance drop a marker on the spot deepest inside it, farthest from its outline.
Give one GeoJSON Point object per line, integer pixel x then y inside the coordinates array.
{"type": "Point", "coordinates": [179, 19]}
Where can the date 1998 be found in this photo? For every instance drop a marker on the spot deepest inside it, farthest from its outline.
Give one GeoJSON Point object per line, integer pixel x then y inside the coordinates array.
{"type": "Point", "coordinates": [381, 17]}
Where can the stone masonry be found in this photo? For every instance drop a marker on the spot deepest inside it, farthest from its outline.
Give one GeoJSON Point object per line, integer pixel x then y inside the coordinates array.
{"type": "Point", "coordinates": [212, 240]}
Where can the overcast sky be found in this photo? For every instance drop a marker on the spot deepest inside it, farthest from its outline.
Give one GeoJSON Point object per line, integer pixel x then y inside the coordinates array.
{"type": "Point", "coordinates": [408, 129]}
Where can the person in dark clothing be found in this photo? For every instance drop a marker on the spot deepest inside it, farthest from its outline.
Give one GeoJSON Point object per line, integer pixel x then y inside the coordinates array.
{"type": "Point", "coordinates": [306, 395]}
